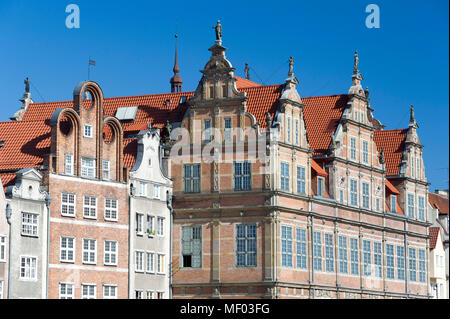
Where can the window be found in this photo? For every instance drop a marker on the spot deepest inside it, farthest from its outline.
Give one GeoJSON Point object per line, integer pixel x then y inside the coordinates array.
{"type": "Point", "coordinates": [192, 178]}
{"type": "Point", "coordinates": [90, 206]}
{"type": "Point", "coordinates": [160, 264]}
{"type": "Point", "coordinates": [341, 196]}
{"type": "Point", "coordinates": [28, 268]}
{"type": "Point", "coordinates": [365, 195]}
{"type": "Point", "coordinates": [224, 91]}
{"type": "Point", "coordinates": [421, 207]}
{"type": "Point", "coordinates": [89, 251]}
{"type": "Point", "coordinates": [390, 261]}
{"type": "Point", "coordinates": [366, 257]}
{"type": "Point", "coordinates": [329, 253]}
{"type": "Point", "coordinates": [150, 225]}
{"type": "Point", "coordinates": [87, 131]}
{"type": "Point", "coordinates": [67, 204]}
{"type": "Point", "coordinates": [377, 204]}
{"type": "Point", "coordinates": [191, 246]}
{"type": "Point", "coordinates": [29, 224]}
{"type": "Point", "coordinates": [296, 131]}
{"type": "Point", "coordinates": [285, 176]}
{"type": "Point", "coordinates": [362, 117]}
{"type": "Point", "coordinates": [377, 259]}
{"type": "Point", "coordinates": [365, 152]}
{"type": "Point", "coordinates": [211, 92]}
{"type": "Point", "coordinates": [156, 191]}
{"type": "Point", "coordinates": [301, 248]}
{"type": "Point", "coordinates": [320, 182]}
{"type": "Point", "coordinates": [355, 115]}
{"type": "Point", "coordinates": [352, 148]}
{"type": "Point", "coordinates": [88, 291]}
{"type": "Point", "coordinates": [109, 292]}
{"type": "Point", "coordinates": [400, 263]}
{"type": "Point", "coordinates": [418, 167]}
{"type": "Point", "coordinates": [139, 294]}
{"type": "Point", "coordinates": [2, 248]}
{"type": "Point", "coordinates": [354, 258]}
{"type": "Point", "coordinates": [288, 129]}
{"type": "Point", "coordinates": [111, 252]}
{"type": "Point", "coordinates": [343, 265]}
{"type": "Point", "coordinates": [286, 246]}
{"type": "Point", "coordinates": [66, 291]}
{"type": "Point", "coordinates": [412, 264]}
{"type": "Point", "coordinates": [150, 262]}
{"type": "Point", "coordinates": [227, 129]}
{"type": "Point", "coordinates": [207, 130]}
{"type": "Point", "coordinates": [393, 203]}
{"type": "Point", "coordinates": [88, 167]}
{"type": "Point", "coordinates": [105, 169]}
{"type": "Point", "coordinates": [160, 228]}
{"type": "Point", "coordinates": [301, 180]}
{"type": "Point", "coordinates": [242, 176]}
{"type": "Point", "coordinates": [1, 289]}
{"type": "Point", "coordinates": [422, 265]}
{"type": "Point", "coordinates": [68, 164]}
{"type": "Point", "coordinates": [67, 249]}
{"type": "Point", "coordinates": [139, 224]}
{"type": "Point", "coordinates": [139, 261]}
{"type": "Point", "coordinates": [410, 205]}
{"type": "Point", "coordinates": [412, 166]}
{"type": "Point", "coordinates": [111, 209]}
{"type": "Point", "coordinates": [246, 245]}
{"type": "Point", "coordinates": [317, 251]}
{"type": "Point", "coordinates": [353, 192]}
{"type": "Point", "coordinates": [160, 295]}
{"type": "Point", "coordinates": [150, 294]}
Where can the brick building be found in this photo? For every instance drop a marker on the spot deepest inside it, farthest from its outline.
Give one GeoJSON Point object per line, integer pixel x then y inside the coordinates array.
{"type": "Point", "coordinates": [275, 195]}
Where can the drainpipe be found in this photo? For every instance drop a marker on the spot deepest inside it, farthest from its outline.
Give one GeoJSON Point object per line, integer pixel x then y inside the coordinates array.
{"type": "Point", "coordinates": [48, 201]}
{"type": "Point", "coordinates": [169, 205]}
{"type": "Point", "coordinates": [130, 247]}
{"type": "Point", "coordinates": [8, 219]}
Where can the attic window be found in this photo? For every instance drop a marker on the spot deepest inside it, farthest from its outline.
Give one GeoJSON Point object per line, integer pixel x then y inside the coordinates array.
{"type": "Point", "coordinates": [183, 99]}
{"type": "Point", "coordinates": [2, 143]}
{"type": "Point", "coordinates": [126, 113]}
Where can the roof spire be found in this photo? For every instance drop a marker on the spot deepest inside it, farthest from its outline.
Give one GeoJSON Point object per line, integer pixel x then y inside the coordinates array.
{"type": "Point", "coordinates": [412, 119]}
{"type": "Point", "coordinates": [176, 81]}
{"type": "Point", "coordinates": [355, 63]}
{"type": "Point", "coordinates": [247, 71]}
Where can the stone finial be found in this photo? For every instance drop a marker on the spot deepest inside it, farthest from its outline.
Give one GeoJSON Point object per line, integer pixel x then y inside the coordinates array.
{"type": "Point", "coordinates": [268, 120]}
{"type": "Point", "coordinates": [27, 85]}
{"type": "Point", "coordinates": [218, 29]}
{"type": "Point", "coordinates": [291, 67]}
{"type": "Point", "coordinates": [333, 144]}
{"type": "Point", "coordinates": [382, 160]}
{"type": "Point", "coordinates": [247, 71]}
{"type": "Point", "coordinates": [355, 63]}
{"type": "Point", "coordinates": [412, 118]}
{"type": "Point", "coordinates": [366, 92]}
{"type": "Point", "coordinates": [168, 127]}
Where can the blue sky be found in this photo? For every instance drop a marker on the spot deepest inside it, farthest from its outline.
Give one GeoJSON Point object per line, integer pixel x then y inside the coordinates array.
{"type": "Point", "coordinates": [404, 62]}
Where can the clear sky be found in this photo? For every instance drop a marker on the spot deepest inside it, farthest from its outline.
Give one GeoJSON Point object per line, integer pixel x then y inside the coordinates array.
{"type": "Point", "coordinates": [404, 62]}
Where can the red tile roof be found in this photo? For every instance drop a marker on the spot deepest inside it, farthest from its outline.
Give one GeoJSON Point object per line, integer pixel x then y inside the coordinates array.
{"type": "Point", "coordinates": [391, 187]}
{"type": "Point", "coordinates": [8, 179]}
{"type": "Point", "coordinates": [244, 83]}
{"type": "Point", "coordinates": [440, 202]}
{"type": "Point", "coordinates": [393, 143]}
{"type": "Point", "coordinates": [434, 233]}
{"type": "Point", "coordinates": [129, 152]}
{"type": "Point", "coordinates": [316, 167]}
{"type": "Point", "coordinates": [322, 116]}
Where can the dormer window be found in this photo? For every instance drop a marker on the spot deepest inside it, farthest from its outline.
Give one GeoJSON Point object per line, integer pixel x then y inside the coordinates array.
{"type": "Point", "coordinates": [355, 116]}
{"type": "Point", "coordinates": [211, 92]}
{"type": "Point", "coordinates": [393, 204]}
{"type": "Point", "coordinates": [224, 91]}
{"type": "Point", "coordinates": [88, 131]}
{"type": "Point", "coordinates": [362, 117]}
{"type": "Point", "coordinates": [320, 186]}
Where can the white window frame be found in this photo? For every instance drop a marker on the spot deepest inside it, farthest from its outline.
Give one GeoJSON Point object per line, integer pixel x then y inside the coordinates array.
{"type": "Point", "coordinates": [3, 248]}
{"type": "Point", "coordinates": [301, 180]}
{"type": "Point", "coordinates": [296, 132]}
{"type": "Point", "coordinates": [367, 258]}
{"type": "Point", "coordinates": [111, 211]}
{"type": "Point", "coordinates": [1, 289]}
{"type": "Point", "coordinates": [143, 189]}
{"type": "Point", "coordinates": [109, 253]}
{"type": "Point", "coordinates": [353, 148]}
{"type": "Point", "coordinates": [411, 208]}
{"type": "Point", "coordinates": [285, 180]}
{"type": "Point", "coordinates": [151, 231]}
{"type": "Point", "coordinates": [320, 186]}
{"type": "Point", "coordinates": [139, 224]}
{"type": "Point", "coordinates": [106, 168]}
{"type": "Point", "coordinates": [288, 133]}
{"type": "Point", "coordinates": [139, 294]}
{"type": "Point", "coordinates": [160, 226]}
{"type": "Point", "coordinates": [207, 131]}
{"type": "Point", "coordinates": [87, 131]}
{"type": "Point", "coordinates": [68, 164]}
{"type": "Point", "coordinates": [160, 267]}
{"type": "Point", "coordinates": [413, 170]}
{"type": "Point", "coordinates": [88, 169]}
{"type": "Point", "coordinates": [227, 130]}
{"type": "Point", "coordinates": [390, 261]}
{"type": "Point", "coordinates": [393, 204]}
{"type": "Point", "coordinates": [421, 208]}
{"type": "Point", "coordinates": [31, 227]}
{"type": "Point", "coordinates": [89, 251]}
{"type": "Point", "coordinates": [329, 251]}
{"type": "Point", "coordinates": [68, 205]}
{"type": "Point", "coordinates": [287, 242]}
{"type": "Point", "coordinates": [150, 259]}
{"type": "Point", "coordinates": [365, 196]}
{"type": "Point", "coordinates": [365, 151]}
{"type": "Point", "coordinates": [150, 294]}
{"type": "Point", "coordinates": [67, 249]}
{"type": "Point", "coordinates": [156, 191]}
{"type": "Point", "coordinates": [32, 275]}
{"type": "Point", "coordinates": [353, 194]}
{"type": "Point", "coordinates": [66, 295]}
{"type": "Point", "coordinates": [88, 295]}
{"type": "Point", "coordinates": [139, 266]}
{"type": "Point", "coordinates": [343, 254]}
{"type": "Point", "coordinates": [109, 287]}
{"type": "Point", "coordinates": [89, 207]}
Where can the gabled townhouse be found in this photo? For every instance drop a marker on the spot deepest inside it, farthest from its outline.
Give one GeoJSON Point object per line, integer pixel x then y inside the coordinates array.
{"type": "Point", "coordinates": [438, 211]}
{"type": "Point", "coordinates": [150, 220]}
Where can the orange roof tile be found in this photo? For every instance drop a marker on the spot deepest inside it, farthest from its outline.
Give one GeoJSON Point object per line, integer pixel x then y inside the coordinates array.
{"type": "Point", "coordinates": [8, 179]}
{"type": "Point", "coordinates": [244, 83]}
{"type": "Point", "coordinates": [322, 116]}
{"type": "Point", "coordinates": [319, 170]}
{"type": "Point", "coordinates": [440, 202]}
{"type": "Point", "coordinates": [434, 233]}
{"type": "Point", "coordinates": [391, 187]}
{"type": "Point", "coordinates": [393, 143]}
{"type": "Point", "coordinates": [129, 152]}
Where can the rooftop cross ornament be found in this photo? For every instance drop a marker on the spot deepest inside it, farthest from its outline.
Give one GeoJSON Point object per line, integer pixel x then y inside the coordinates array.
{"type": "Point", "coordinates": [218, 28]}
{"type": "Point", "coordinates": [356, 62]}
{"type": "Point", "coordinates": [291, 66]}
{"type": "Point", "coordinates": [27, 85]}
